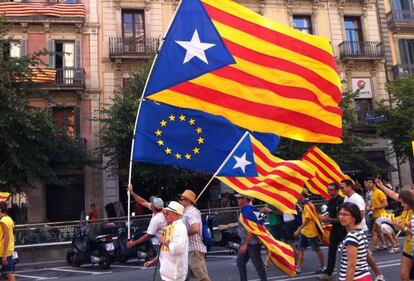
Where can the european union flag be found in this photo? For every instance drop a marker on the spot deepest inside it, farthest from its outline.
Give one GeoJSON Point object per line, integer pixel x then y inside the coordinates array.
{"type": "Point", "coordinates": [187, 138]}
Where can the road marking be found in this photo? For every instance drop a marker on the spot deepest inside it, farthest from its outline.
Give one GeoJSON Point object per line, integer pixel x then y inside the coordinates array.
{"type": "Point", "coordinates": [130, 266]}
{"type": "Point", "coordinates": [79, 271]}
{"type": "Point", "coordinates": [35, 277]}
{"type": "Point", "coordinates": [307, 275]}
{"type": "Point", "coordinates": [222, 256]}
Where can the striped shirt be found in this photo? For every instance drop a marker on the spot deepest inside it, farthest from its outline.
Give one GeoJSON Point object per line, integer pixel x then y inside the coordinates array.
{"type": "Point", "coordinates": [358, 239]}
{"type": "Point", "coordinates": [195, 242]}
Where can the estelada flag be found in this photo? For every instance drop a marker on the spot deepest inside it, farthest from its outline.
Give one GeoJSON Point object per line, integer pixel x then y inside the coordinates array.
{"type": "Point", "coordinates": [281, 254]}
{"type": "Point", "coordinates": [224, 59]}
{"type": "Point", "coordinates": [324, 237]}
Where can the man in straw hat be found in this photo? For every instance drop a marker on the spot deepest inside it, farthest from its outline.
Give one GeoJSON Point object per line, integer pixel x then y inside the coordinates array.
{"type": "Point", "coordinates": [197, 267]}
{"type": "Point", "coordinates": [174, 245]}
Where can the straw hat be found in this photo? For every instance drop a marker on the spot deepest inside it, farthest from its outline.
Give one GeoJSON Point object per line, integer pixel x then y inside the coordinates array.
{"type": "Point", "coordinates": [190, 195]}
{"type": "Point", "coordinates": [175, 207]}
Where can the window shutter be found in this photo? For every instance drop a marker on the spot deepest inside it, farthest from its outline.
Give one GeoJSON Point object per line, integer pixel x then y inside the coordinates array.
{"type": "Point", "coordinates": [23, 48]}
{"type": "Point", "coordinates": [78, 54]}
{"type": "Point", "coordinates": [51, 48]}
{"type": "Point", "coordinates": [77, 122]}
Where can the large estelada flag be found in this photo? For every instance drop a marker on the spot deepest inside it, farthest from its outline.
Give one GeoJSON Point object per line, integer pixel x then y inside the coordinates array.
{"type": "Point", "coordinates": [326, 171]}
{"type": "Point", "coordinates": [187, 138]}
{"type": "Point", "coordinates": [252, 170]}
{"type": "Point", "coordinates": [281, 254]}
{"type": "Point", "coordinates": [224, 59]}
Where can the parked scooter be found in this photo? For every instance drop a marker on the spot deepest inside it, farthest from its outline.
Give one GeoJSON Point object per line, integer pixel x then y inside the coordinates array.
{"type": "Point", "coordinates": [88, 248]}
{"type": "Point", "coordinates": [223, 235]}
{"type": "Point", "coordinates": [143, 252]}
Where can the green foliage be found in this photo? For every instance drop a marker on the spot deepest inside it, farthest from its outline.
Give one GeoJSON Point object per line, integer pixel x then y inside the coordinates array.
{"type": "Point", "coordinates": [399, 117]}
{"type": "Point", "coordinates": [29, 149]}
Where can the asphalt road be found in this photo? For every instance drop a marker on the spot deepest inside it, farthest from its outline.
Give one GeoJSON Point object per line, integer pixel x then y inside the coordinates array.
{"type": "Point", "coordinates": [221, 267]}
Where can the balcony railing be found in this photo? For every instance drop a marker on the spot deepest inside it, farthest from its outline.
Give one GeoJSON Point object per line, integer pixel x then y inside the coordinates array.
{"type": "Point", "coordinates": [120, 46]}
{"type": "Point", "coordinates": [59, 77]}
{"type": "Point", "coordinates": [403, 70]}
{"type": "Point", "coordinates": [360, 49]}
{"type": "Point", "coordinates": [396, 17]}
{"type": "Point", "coordinates": [46, 2]}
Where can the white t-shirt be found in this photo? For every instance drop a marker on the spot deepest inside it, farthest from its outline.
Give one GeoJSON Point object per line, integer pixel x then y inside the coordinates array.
{"type": "Point", "coordinates": [359, 201]}
{"type": "Point", "coordinates": [157, 223]}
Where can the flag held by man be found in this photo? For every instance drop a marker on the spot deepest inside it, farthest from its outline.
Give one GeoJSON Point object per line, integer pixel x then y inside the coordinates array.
{"type": "Point", "coordinates": [252, 170]}
{"type": "Point", "coordinates": [326, 171]}
{"type": "Point", "coordinates": [259, 74]}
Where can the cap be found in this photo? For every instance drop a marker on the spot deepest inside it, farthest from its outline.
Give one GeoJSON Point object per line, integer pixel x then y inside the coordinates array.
{"type": "Point", "coordinates": [190, 195]}
{"type": "Point", "coordinates": [157, 202]}
{"type": "Point", "coordinates": [175, 207]}
{"type": "Point", "coordinates": [239, 195]}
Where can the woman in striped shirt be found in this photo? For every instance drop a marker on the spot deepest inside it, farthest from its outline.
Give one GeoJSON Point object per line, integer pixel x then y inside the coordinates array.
{"type": "Point", "coordinates": [354, 265]}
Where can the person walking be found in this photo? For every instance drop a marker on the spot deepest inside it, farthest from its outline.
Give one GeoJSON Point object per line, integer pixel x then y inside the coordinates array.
{"type": "Point", "coordinates": [338, 232]}
{"type": "Point", "coordinates": [354, 259]}
{"type": "Point", "coordinates": [6, 242]}
{"type": "Point", "coordinates": [173, 255]}
{"type": "Point", "coordinates": [347, 187]}
{"type": "Point", "coordinates": [250, 244]}
{"type": "Point", "coordinates": [197, 267]}
{"type": "Point", "coordinates": [157, 222]}
{"type": "Point", "coordinates": [308, 234]}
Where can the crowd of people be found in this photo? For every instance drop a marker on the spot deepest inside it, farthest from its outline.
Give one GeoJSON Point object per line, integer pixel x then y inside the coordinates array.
{"type": "Point", "coordinates": [353, 212]}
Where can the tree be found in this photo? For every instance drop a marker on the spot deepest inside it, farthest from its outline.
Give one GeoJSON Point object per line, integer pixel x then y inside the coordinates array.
{"type": "Point", "coordinates": [29, 148]}
{"type": "Point", "coordinates": [116, 137]}
{"type": "Point", "coordinates": [398, 125]}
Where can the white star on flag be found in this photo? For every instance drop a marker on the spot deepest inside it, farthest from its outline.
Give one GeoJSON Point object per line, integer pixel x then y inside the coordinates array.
{"type": "Point", "coordinates": [241, 162]}
{"type": "Point", "coordinates": [195, 48]}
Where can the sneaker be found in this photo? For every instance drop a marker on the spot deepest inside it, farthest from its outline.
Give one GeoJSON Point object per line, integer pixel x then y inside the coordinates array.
{"type": "Point", "coordinates": [298, 270]}
{"type": "Point", "coordinates": [384, 247]}
{"type": "Point", "coordinates": [324, 277]}
{"type": "Point", "coordinates": [394, 250]}
{"type": "Point", "coordinates": [321, 270]}
{"type": "Point", "coordinates": [379, 278]}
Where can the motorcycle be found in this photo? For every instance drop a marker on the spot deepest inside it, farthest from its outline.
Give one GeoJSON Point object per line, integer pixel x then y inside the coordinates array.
{"type": "Point", "coordinates": [144, 252]}
{"type": "Point", "coordinates": [88, 248]}
{"type": "Point", "coordinates": [223, 235]}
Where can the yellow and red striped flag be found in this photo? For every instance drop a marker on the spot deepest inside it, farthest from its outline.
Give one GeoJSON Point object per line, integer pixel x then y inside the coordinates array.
{"type": "Point", "coordinates": [259, 74]}
{"type": "Point", "coordinates": [281, 254]}
{"type": "Point", "coordinates": [276, 181]}
{"type": "Point", "coordinates": [326, 171]}
{"type": "Point", "coordinates": [309, 207]}
{"type": "Point", "coordinates": [18, 9]}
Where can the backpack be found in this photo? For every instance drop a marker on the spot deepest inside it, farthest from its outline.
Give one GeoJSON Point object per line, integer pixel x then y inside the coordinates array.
{"type": "Point", "coordinates": [205, 230]}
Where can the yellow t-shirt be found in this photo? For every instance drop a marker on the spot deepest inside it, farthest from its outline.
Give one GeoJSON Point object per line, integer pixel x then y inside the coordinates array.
{"type": "Point", "coordinates": [10, 225]}
{"type": "Point", "coordinates": [405, 219]}
{"type": "Point", "coordinates": [310, 230]}
{"type": "Point", "coordinates": [377, 197]}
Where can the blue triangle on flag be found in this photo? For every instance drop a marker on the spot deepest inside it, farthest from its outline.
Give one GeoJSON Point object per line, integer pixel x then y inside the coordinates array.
{"type": "Point", "coordinates": [191, 48]}
{"type": "Point", "coordinates": [241, 163]}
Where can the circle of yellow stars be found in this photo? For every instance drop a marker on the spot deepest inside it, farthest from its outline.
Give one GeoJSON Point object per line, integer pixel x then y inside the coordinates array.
{"type": "Point", "coordinates": [187, 155]}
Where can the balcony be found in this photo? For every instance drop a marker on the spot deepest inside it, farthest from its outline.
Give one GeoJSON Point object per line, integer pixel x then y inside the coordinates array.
{"type": "Point", "coordinates": [47, 11]}
{"type": "Point", "coordinates": [361, 50]}
{"type": "Point", "coordinates": [400, 20]}
{"type": "Point", "coordinates": [133, 48]}
{"type": "Point", "coordinates": [59, 78]}
{"type": "Point", "coordinates": [403, 70]}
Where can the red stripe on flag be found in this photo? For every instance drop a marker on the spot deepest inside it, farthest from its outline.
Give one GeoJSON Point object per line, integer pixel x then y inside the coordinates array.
{"type": "Point", "coordinates": [319, 169]}
{"type": "Point", "coordinates": [272, 36]}
{"type": "Point", "coordinates": [259, 110]}
{"type": "Point", "coordinates": [275, 184]}
{"type": "Point", "coordinates": [326, 163]}
{"type": "Point", "coordinates": [281, 174]}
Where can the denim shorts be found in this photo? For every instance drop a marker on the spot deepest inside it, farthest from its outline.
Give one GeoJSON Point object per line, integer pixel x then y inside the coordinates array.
{"type": "Point", "coordinates": [304, 242]}
{"type": "Point", "coordinates": [10, 265]}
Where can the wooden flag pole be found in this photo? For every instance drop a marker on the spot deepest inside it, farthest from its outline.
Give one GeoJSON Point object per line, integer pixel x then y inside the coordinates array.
{"type": "Point", "coordinates": [222, 165]}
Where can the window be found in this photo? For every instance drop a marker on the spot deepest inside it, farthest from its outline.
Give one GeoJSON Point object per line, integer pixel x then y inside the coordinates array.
{"type": "Point", "coordinates": [11, 49]}
{"type": "Point", "coordinates": [65, 57]}
{"type": "Point", "coordinates": [303, 23]}
{"type": "Point", "coordinates": [65, 122]}
{"type": "Point", "coordinates": [353, 30]}
{"type": "Point", "coordinates": [133, 24]}
{"type": "Point", "coordinates": [363, 108]}
{"type": "Point", "coordinates": [402, 5]}
{"type": "Point", "coordinates": [406, 48]}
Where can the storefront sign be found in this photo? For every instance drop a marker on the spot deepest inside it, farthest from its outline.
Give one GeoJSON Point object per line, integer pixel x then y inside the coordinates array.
{"type": "Point", "coordinates": [364, 87]}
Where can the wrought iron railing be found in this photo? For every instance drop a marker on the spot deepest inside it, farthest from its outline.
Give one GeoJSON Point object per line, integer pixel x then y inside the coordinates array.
{"type": "Point", "coordinates": [69, 77]}
{"type": "Point", "coordinates": [46, 2]}
{"type": "Point", "coordinates": [355, 49]}
{"type": "Point", "coordinates": [400, 17]}
{"type": "Point", "coordinates": [402, 70]}
{"type": "Point", "coordinates": [119, 46]}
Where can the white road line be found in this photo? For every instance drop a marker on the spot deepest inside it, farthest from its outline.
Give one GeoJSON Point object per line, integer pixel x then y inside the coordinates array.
{"type": "Point", "coordinates": [222, 256]}
{"type": "Point", "coordinates": [311, 274]}
{"type": "Point", "coordinates": [35, 277]}
{"type": "Point", "coordinates": [130, 266]}
{"type": "Point", "coordinates": [79, 271]}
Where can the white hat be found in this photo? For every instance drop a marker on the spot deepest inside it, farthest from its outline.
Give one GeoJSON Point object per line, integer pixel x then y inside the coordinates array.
{"type": "Point", "coordinates": [157, 202]}
{"type": "Point", "coordinates": [175, 207]}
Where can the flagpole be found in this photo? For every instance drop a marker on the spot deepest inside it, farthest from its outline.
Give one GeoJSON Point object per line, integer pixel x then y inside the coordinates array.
{"type": "Point", "coordinates": [222, 165]}
{"type": "Point", "coordinates": [136, 119]}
